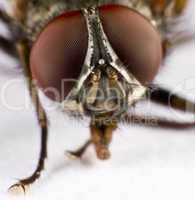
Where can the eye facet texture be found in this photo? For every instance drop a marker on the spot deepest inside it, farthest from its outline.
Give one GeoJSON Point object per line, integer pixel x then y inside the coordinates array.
{"type": "Point", "coordinates": [59, 52]}
{"type": "Point", "coordinates": [134, 39]}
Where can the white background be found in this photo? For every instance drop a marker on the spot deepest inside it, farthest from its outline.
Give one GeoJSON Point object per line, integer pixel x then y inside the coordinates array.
{"type": "Point", "coordinates": [146, 163]}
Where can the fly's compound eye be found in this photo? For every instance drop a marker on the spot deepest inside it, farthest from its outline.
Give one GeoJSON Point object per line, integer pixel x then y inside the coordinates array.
{"type": "Point", "coordinates": [134, 39]}
{"type": "Point", "coordinates": [59, 52]}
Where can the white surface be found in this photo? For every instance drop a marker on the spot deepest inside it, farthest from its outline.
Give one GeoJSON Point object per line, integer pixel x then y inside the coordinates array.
{"type": "Point", "coordinates": [146, 163]}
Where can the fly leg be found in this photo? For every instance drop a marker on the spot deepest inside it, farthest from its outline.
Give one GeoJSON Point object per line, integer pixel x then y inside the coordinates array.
{"type": "Point", "coordinates": [8, 44]}
{"type": "Point", "coordinates": [166, 98]}
{"type": "Point", "coordinates": [79, 152]}
{"type": "Point", "coordinates": [22, 184]}
{"type": "Point", "coordinates": [156, 122]}
{"type": "Point", "coordinates": [23, 48]}
{"type": "Point", "coordinates": [5, 17]}
{"type": "Point", "coordinates": [101, 136]}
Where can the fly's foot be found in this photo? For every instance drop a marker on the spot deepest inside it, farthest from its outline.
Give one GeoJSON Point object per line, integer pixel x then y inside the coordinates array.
{"type": "Point", "coordinates": [18, 189]}
{"type": "Point", "coordinates": [73, 155]}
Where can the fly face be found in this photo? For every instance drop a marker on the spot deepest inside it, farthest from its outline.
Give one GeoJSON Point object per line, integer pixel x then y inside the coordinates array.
{"type": "Point", "coordinates": [111, 51]}
{"type": "Point", "coordinates": [105, 88]}
{"type": "Point", "coordinates": [104, 93]}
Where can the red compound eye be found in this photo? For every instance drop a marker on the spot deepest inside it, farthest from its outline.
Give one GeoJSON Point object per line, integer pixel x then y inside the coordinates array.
{"type": "Point", "coordinates": [60, 50]}
{"type": "Point", "coordinates": [134, 39]}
